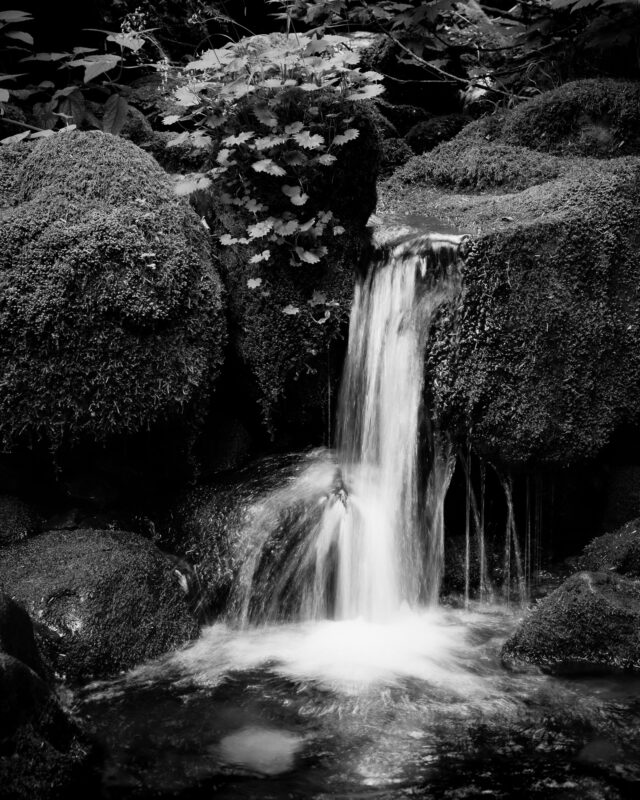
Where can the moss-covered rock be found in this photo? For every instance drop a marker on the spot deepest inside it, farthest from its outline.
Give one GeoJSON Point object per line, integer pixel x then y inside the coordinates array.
{"type": "Point", "coordinates": [589, 624]}
{"type": "Point", "coordinates": [428, 134]}
{"type": "Point", "coordinates": [17, 520]}
{"type": "Point", "coordinates": [618, 551]}
{"type": "Point", "coordinates": [102, 601]}
{"type": "Point", "coordinates": [110, 309]}
{"type": "Point", "coordinates": [538, 359]}
{"type": "Point", "coordinates": [595, 117]}
{"type": "Point", "coordinates": [395, 153]}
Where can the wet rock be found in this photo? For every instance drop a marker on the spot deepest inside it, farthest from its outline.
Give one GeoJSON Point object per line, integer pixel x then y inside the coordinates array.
{"type": "Point", "coordinates": [539, 356]}
{"type": "Point", "coordinates": [209, 527]}
{"type": "Point", "coordinates": [18, 520]}
{"type": "Point", "coordinates": [111, 314]}
{"type": "Point", "coordinates": [16, 635]}
{"type": "Point", "coordinates": [102, 601]}
{"type": "Point", "coordinates": [589, 624]}
{"type": "Point", "coordinates": [43, 752]}
{"type": "Point", "coordinates": [618, 551]}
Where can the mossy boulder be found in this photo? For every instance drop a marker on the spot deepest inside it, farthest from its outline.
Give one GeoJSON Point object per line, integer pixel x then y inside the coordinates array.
{"type": "Point", "coordinates": [591, 623]}
{"type": "Point", "coordinates": [429, 133]}
{"type": "Point", "coordinates": [618, 551]}
{"type": "Point", "coordinates": [102, 601]}
{"type": "Point", "coordinates": [110, 309]}
{"type": "Point", "coordinates": [538, 358]}
{"type": "Point", "coordinates": [17, 520]}
{"type": "Point", "coordinates": [593, 117]}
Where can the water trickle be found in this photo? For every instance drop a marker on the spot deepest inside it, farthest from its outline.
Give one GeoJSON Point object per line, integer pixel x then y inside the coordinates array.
{"type": "Point", "coordinates": [364, 532]}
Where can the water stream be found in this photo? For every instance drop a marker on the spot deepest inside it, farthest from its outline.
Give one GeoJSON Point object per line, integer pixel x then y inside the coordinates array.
{"type": "Point", "coordinates": [336, 673]}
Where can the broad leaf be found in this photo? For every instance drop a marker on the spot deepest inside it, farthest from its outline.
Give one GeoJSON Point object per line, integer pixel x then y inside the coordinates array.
{"type": "Point", "coordinates": [256, 283]}
{"type": "Point", "coordinates": [17, 137]}
{"type": "Point", "coordinates": [326, 160]}
{"type": "Point", "coordinates": [290, 310]}
{"type": "Point", "coordinates": [20, 36]}
{"type": "Point", "coordinates": [115, 114]}
{"type": "Point", "coordinates": [242, 137]}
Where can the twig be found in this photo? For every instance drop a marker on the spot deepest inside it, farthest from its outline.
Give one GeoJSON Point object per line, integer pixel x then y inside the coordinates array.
{"type": "Point", "coordinates": [21, 124]}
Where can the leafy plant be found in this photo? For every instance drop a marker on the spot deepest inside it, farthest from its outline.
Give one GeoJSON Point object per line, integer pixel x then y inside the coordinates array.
{"type": "Point", "coordinates": [276, 112]}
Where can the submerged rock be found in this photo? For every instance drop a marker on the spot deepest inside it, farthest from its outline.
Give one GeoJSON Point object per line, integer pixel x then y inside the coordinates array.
{"type": "Point", "coordinates": [44, 754]}
{"type": "Point", "coordinates": [589, 624]}
{"type": "Point", "coordinates": [102, 601]}
{"type": "Point", "coordinates": [538, 359]}
{"type": "Point", "coordinates": [618, 551]}
{"type": "Point", "coordinates": [110, 309]}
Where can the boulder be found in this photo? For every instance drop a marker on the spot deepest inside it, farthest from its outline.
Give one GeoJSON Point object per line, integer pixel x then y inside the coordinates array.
{"type": "Point", "coordinates": [110, 309]}
{"type": "Point", "coordinates": [102, 601]}
{"type": "Point", "coordinates": [618, 551]}
{"type": "Point", "coordinates": [591, 623]}
{"type": "Point", "coordinates": [538, 358]}
{"type": "Point", "coordinates": [17, 520]}
{"type": "Point", "coordinates": [44, 754]}
{"type": "Point", "coordinates": [16, 635]}
{"type": "Point", "coordinates": [216, 524]}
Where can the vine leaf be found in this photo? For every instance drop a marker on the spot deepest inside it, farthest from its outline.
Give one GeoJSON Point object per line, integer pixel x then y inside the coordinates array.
{"type": "Point", "coordinates": [326, 160]}
{"type": "Point", "coordinates": [269, 166]}
{"type": "Point", "coordinates": [295, 194]}
{"type": "Point", "coordinates": [241, 138]}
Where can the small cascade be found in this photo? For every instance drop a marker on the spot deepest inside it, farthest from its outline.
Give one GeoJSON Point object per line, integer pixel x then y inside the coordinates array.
{"type": "Point", "coordinates": [354, 535]}
{"type": "Point", "coordinates": [514, 575]}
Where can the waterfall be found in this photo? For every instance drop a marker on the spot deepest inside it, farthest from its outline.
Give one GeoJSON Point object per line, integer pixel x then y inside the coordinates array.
{"type": "Point", "coordinates": [359, 533]}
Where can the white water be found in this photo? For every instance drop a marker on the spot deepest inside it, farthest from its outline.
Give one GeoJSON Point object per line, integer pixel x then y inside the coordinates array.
{"type": "Point", "coordinates": [361, 536]}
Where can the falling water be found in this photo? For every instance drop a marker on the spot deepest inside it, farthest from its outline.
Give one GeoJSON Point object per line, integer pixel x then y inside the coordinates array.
{"type": "Point", "coordinates": [364, 532]}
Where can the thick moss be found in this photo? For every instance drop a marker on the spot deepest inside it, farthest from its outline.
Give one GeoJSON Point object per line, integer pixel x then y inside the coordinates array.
{"type": "Point", "coordinates": [589, 624]}
{"type": "Point", "coordinates": [595, 117]}
{"type": "Point", "coordinates": [539, 357]}
{"type": "Point", "coordinates": [431, 132]}
{"type": "Point", "coordinates": [110, 309]}
{"type": "Point", "coordinates": [619, 551]}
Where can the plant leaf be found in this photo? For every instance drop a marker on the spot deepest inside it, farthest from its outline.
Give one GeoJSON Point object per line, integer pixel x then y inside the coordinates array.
{"type": "Point", "coordinates": [170, 119]}
{"type": "Point", "coordinates": [255, 283]}
{"type": "Point", "coordinates": [17, 137]}
{"type": "Point", "coordinates": [129, 41]}
{"type": "Point", "coordinates": [366, 92]}
{"type": "Point", "coordinates": [242, 137]}
{"type": "Point", "coordinates": [186, 97]}
{"type": "Point", "coordinates": [295, 127]}
{"type": "Point", "coordinates": [264, 115]}
{"type": "Point", "coordinates": [260, 229]}
{"type": "Point", "coordinates": [115, 114]}
{"type": "Point", "coordinates": [295, 194]}
{"type": "Point", "coordinates": [4, 95]}
{"type": "Point", "coordinates": [290, 310]}
{"type": "Point", "coordinates": [326, 160]}
{"type": "Point", "coordinates": [20, 36]}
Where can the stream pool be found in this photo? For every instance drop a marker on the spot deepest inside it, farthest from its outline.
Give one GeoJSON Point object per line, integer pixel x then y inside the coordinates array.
{"type": "Point", "coordinates": [418, 706]}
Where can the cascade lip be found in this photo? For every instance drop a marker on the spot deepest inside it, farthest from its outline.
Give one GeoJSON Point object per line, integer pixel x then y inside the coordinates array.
{"type": "Point", "coordinates": [392, 230]}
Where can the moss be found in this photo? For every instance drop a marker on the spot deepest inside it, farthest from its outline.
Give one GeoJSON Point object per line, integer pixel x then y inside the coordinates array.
{"type": "Point", "coordinates": [461, 166]}
{"type": "Point", "coordinates": [428, 134]}
{"type": "Point", "coordinates": [17, 520]}
{"type": "Point", "coordinates": [110, 309]}
{"type": "Point", "coordinates": [395, 153]}
{"type": "Point", "coordinates": [590, 623]}
{"type": "Point", "coordinates": [619, 551]}
{"type": "Point", "coordinates": [538, 359]}
{"type": "Point", "coordinates": [595, 117]}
